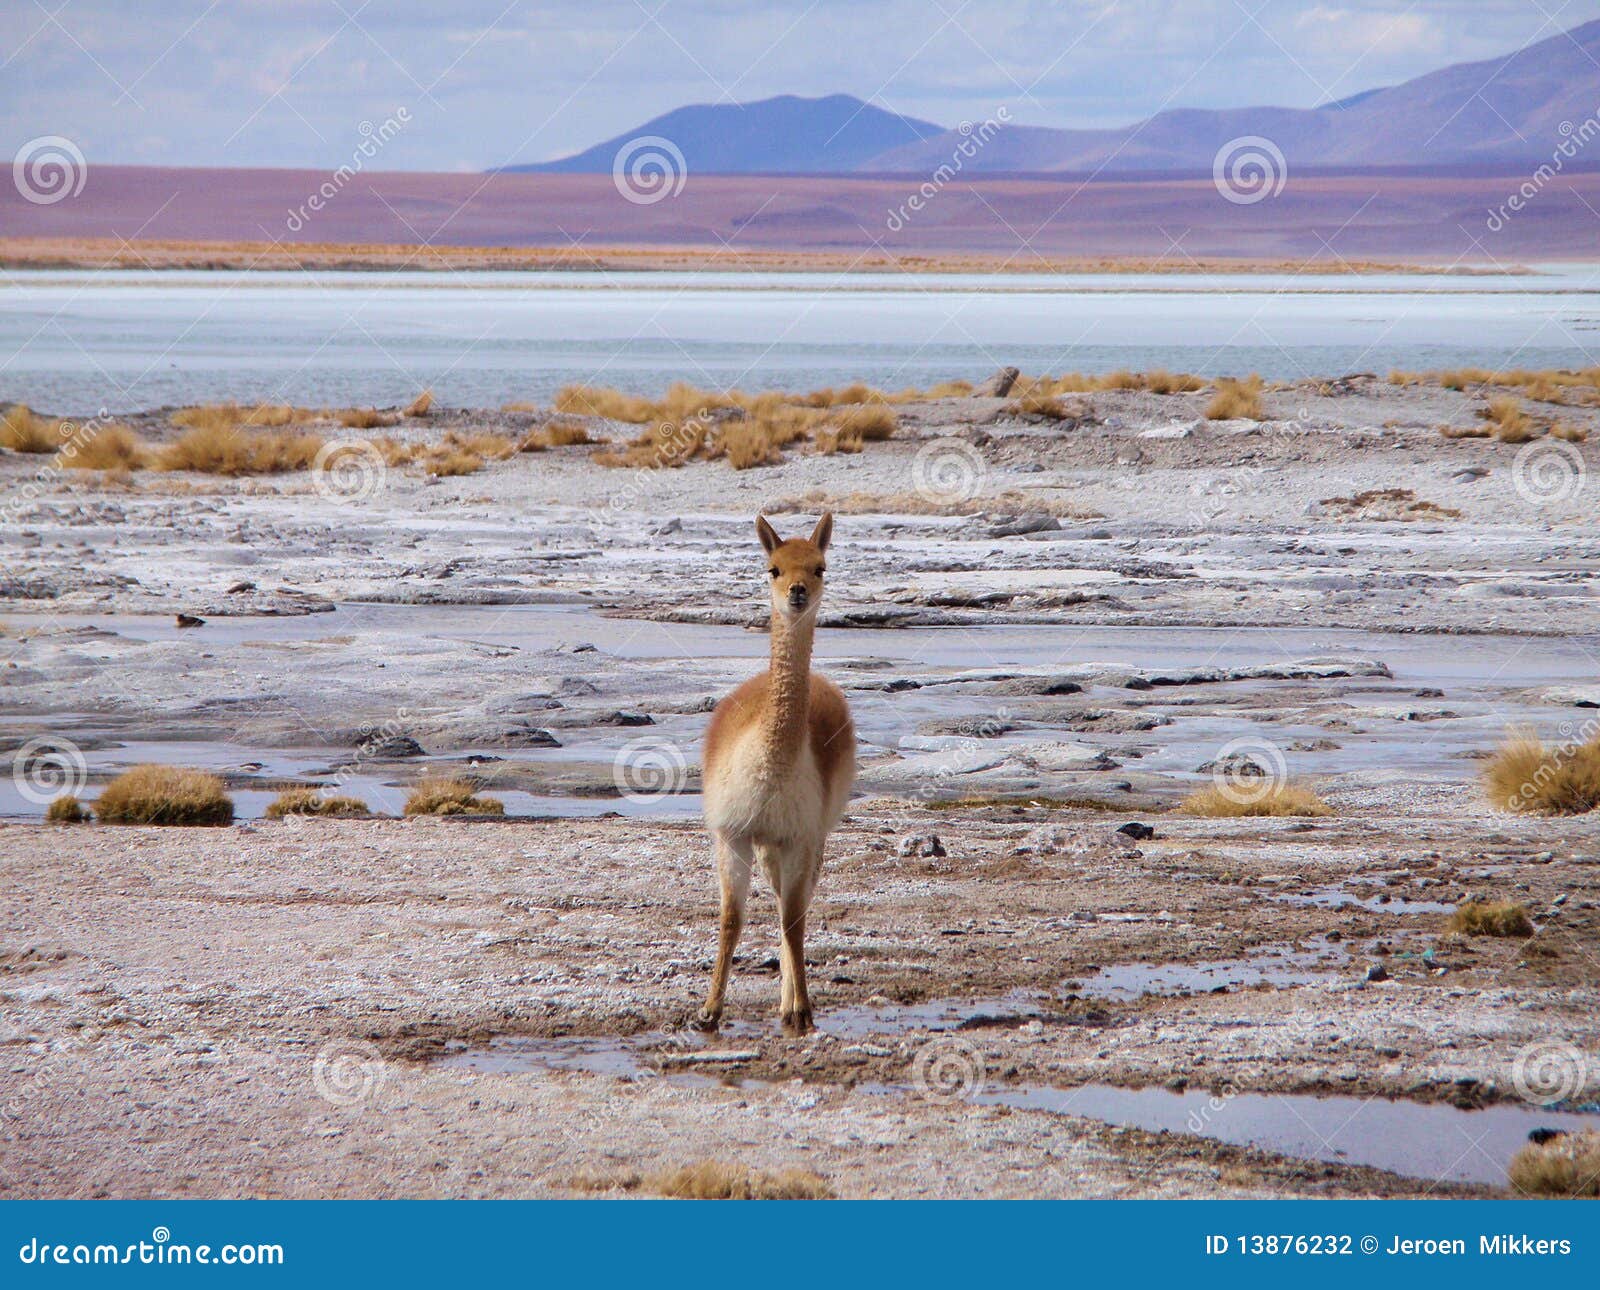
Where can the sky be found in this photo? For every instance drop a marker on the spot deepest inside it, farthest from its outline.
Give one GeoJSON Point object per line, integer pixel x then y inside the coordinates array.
{"type": "Point", "coordinates": [476, 84]}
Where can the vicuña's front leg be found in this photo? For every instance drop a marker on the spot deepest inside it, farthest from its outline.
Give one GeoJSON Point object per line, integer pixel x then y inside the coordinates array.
{"type": "Point", "coordinates": [733, 874]}
{"type": "Point", "coordinates": [795, 998]}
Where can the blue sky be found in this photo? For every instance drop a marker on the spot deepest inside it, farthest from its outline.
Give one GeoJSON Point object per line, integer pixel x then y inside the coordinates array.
{"type": "Point", "coordinates": [490, 82]}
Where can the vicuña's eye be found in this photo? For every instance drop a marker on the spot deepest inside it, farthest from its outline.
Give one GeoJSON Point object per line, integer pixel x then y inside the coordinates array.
{"type": "Point", "coordinates": [773, 571]}
{"type": "Point", "coordinates": [821, 569]}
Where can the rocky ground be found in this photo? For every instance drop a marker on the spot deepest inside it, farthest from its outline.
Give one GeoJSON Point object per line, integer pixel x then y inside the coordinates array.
{"type": "Point", "coordinates": [280, 1009]}
{"type": "Point", "coordinates": [1047, 631]}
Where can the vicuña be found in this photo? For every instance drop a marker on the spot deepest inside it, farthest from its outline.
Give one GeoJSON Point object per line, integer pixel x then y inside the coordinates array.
{"type": "Point", "coordinates": [780, 759]}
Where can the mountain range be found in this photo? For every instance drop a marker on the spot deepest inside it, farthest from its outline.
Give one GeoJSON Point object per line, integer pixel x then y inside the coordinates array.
{"type": "Point", "coordinates": [1516, 108]}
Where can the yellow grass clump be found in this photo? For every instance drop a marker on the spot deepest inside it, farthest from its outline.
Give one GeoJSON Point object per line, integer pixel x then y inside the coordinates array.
{"type": "Point", "coordinates": [1235, 400]}
{"type": "Point", "coordinates": [234, 450]}
{"type": "Point", "coordinates": [559, 434]}
{"type": "Point", "coordinates": [1525, 775]}
{"type": "Point", "coordinates": [225, 416]}
{"type": "Point", "coordinates": [1035, 403]}
{"type": "Point", "coordinates": [1491, 918]}
{"type": "Point", "coordinates": [66, 809]}
{"type": "Point", "coordinates": [311, 801]}
{"type": "Point", "coordinates": [1159, 381]}
{"type": "Point", "coordinates": [421, 405]}
{"type": "Point", "coordinates": [112, 447]}
{"type": "Point", "coordinates": [1567, 1166]}
{"type": "Point", "coordinates": [152, 794]}
{"type": "Point", "coordinates": [21, 430]}
{"type": "Point", "coordinates": [367, 418]}
{"type": "Point", "coordinates": [872, 422]}
{"type": "Point", "coordinates": [444, 795]}
{"type": "Point", "coordinates": [1507, 421]}
{"type": "Point", "coordinates": [1269, 800]}
{"type": "Point", "coordinates": [831, 440]}
{"type": "Point", "coordinates": [721, 1180]}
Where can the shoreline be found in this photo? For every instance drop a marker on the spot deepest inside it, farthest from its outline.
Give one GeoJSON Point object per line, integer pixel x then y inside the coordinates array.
{"type": "Point", "coordinates": [108, 254]}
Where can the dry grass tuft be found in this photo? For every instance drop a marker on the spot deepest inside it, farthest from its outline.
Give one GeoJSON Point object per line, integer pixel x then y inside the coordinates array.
{"type": "Point", "coordinates": [447, 464]}
{"type": "Point", "coordinates": [870, 422]}
{"type": "Point", "coordinates": [831, 440]}
{"type": "Point", "coordinates": [1039, 405]}
{"type": "Point", "coordinates": [152, 794]}
{"type": "Point", "coordinates": [1567, 1166]}
{"type": "Point", "coordinates": [1159, 381]}
{"type": "Point", "coordinates": [23, 431]}
{"type": "Point", "coordinates": [720, 1180]}
{"type": "Point", "coordinates": [311, 801]}
{"type": "Point", "coordinates": [66, 809]}
{"type": "Point", "coordinates": [1494, 918]}
{"type": "Point", "coordinates": [559, 434]}
{"type": "Point", "coordinates": [421, 405]}
{"type": "Point", "coordinates": [113, 447]}
{"type": "Point", "coordinates": [444, 795]}
{"type": "Point", "coordinates": [1274, 800]}
{"type": "Point", "coordinates": [1525, 775]}
{"type": "Point", "coordinates": [1386, 504]}
{"type": "Point", "coordinates": [233, 450]}
{"type": "Point", "coordinates": [226, 416]}
{"type": "Point", "coordinates": [369, 418]}
{"type": "Point", "coordinates": [1235, 400]}
{"type": "Point", "coordinates": [1507, 421]}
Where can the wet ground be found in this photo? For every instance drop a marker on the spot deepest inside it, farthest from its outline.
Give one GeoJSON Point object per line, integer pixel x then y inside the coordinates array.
{"type": "Point", "coordinates": [1036, 1004]}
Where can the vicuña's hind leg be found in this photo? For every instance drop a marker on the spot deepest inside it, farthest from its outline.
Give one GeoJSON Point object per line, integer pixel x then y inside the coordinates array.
{"type": "Point", "coordinates": [733, 873]}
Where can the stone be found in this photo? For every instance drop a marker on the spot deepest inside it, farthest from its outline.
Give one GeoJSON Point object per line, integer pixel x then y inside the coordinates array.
{"type": "Point", "coordinates": [921, 844]}
{"type": "Point", "coordinates": [1138, 832]}
{"type": "Point", "coordinates": [997, 386]}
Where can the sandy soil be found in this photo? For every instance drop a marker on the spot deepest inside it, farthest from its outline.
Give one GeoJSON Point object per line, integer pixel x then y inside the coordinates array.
{"type": "Point", "coordinates": [261, 1010]}
{"type": "Point", "coordinates": [283, 1009]}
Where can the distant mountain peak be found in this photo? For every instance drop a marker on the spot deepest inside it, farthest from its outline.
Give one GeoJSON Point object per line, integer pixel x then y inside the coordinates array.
{"type": "Point", "coordinates": [785, 133]}
{"type": "Point", "coordinates": [1502, 110]}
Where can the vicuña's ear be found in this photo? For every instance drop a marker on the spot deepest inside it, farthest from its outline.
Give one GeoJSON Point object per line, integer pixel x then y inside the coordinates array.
{"type": "Point", "coordinates": [823, 533]}
{"type": "Point", "coordinates": [770, 540]}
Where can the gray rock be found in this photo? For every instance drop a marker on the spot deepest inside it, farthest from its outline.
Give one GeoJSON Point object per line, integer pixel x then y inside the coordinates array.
{"type": "Point", "coordinates": [997, 386]}
{"type": "Point", "coordinates": [1017, 526]}
{"type": "Point", "coordinates": [921, 844]}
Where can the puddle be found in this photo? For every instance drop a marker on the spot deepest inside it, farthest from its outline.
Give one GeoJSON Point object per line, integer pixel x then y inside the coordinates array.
{"type": "Point", "coordinates": [1338, 898]}
{"type": "Point", "coordinates": [1280, 966]}
{"type": "Point", "coordinates": [1431, 1141]}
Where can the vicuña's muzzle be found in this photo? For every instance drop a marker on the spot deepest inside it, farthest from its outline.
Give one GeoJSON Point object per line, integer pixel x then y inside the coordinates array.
{"type": "Point", "coordinates": [797, 597]}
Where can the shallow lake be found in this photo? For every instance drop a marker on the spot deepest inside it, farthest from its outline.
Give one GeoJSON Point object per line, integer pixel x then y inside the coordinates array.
{"type": "Point", "coordinates": [1479, 679]}
{"type": "Point", "coordinates": [74, 342]}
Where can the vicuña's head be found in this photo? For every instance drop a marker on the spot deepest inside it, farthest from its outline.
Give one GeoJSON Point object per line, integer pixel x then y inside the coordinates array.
{"type": "Point", "coordinates": [795, 568]}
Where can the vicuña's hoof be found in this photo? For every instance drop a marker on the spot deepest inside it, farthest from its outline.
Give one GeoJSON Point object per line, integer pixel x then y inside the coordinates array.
{"type": "Point", "coordinates": [797, 1022]}
{"type": "Point", "coordinates": [706, 1020]}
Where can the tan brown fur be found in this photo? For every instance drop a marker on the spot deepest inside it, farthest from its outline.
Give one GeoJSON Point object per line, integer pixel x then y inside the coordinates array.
{"type": "Point", "coordinates": [779, 763]}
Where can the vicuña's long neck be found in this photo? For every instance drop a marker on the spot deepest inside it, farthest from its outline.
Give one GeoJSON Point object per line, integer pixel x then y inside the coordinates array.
{"type": "Point", "coordinates": [791, 690]}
